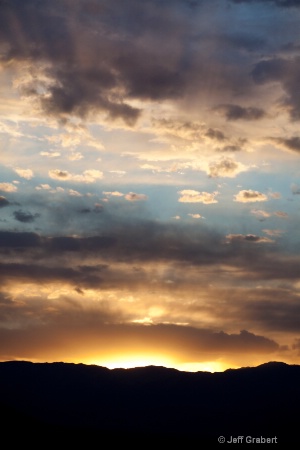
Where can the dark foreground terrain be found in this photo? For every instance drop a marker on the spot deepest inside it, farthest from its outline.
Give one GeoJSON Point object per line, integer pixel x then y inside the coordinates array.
{"type": "Point", "coordinates": [44, 403]}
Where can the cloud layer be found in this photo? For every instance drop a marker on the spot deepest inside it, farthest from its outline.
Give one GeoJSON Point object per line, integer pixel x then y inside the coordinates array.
{"type": "Point", "coordinates": [149, 179]}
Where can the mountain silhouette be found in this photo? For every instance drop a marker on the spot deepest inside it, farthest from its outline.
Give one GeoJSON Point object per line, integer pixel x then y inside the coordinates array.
{"type": "Point", "coordinates": [148, 404]}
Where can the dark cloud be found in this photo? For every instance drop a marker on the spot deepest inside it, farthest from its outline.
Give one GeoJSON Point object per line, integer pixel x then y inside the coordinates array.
{"type": "Point", "coordinates": [286, 72]}
{"type": "Point", "coordinates": [3, 202]}
{"type": "Point", "coordinates": [10, 239]}
{"type": "Point", "coordinates": [215, 134]}
{"type": "Point", "coordinates": [292, 143]}
{"type": "Point", "coordinates": [25, 217]}
{"type": "Point", "coordinates": [236, 112]}
{"type": "Point", "coordinates": [296, 345]}
{"type": "Point", "coordinates": [243, 41]}
{"type": "Point", "coordinates": [45, 274]}
{"type": "Point", "coordinates": [265, 308]}
{"type": "Point", "coordinates": [91, 53]}
{"type": "Point", "coordinates": [247, 238]}
{"type": "Point", "coordinates": [230, 148]}
{"type": "Point", "coordinates": [280, 314]}
{"type": "Point", "coordinates": [280, 3]}
{"type": "Point", "coordinates": [48, 258]}
{"type": "Point", "coordinates": [291, 47]}
{"type": "Point", "coordinates": [65, 334]}
{"type": "Point", "coordinates": [101, 56]}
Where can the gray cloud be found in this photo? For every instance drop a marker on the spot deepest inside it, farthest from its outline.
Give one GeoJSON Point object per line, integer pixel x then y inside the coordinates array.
{"type": "Point", "coordinates": [139, 243]}
{"type": "Point", "coordinates": [25, 217]}
{"type": "Point", "coordinates": [248, 238]}
{"type": "Point", "coordinates": [236, 112]}
{"type": "Point", "coordinates": [117, 65]}
{"type": "Point", "coordinates": [280, 3]}
{"type": "Point", "coordinates": [3, 202]}
{"type": "Point", "coordinates": [101, 56]}
{"type": "Point", "coordinates": [292, 143]}
{"type": "Point", "coordinates": [71, 328]}
{"type": "Point", "coordinates": [295, 189]}
{"type": "Point", "coordinates": [215, 134]}
{"type": "Point", "coordinates": [10, 239]}
{"type": "Point", "coordinates": [286, 72]}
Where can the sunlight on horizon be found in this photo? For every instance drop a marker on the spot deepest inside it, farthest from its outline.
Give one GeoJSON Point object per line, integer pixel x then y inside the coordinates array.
{"type": "Point", "coordinates": [127, 362]}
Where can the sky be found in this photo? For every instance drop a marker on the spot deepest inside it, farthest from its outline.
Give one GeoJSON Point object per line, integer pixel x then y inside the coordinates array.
{"type": "Point", "coordinates": [150, 182]}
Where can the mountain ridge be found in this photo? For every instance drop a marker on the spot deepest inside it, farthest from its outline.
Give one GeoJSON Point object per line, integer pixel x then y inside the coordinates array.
{"type": "Point", "coordinates": [153, 402]}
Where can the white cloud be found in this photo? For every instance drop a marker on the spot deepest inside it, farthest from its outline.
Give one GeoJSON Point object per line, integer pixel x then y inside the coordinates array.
{"type": "Point", "coordinates": [8, 187]}
{"type": "Point", "coordinates": [195, 216]}
{"type": "Point", "coordinates": [273, 232]}
{"type": "Point", "coordinates": [75, 156]}
{"type": "Point", "coordinates": [24, 173]}
{"type": "Point", "coordinates": [191, 196]}
{"type": "Point", "coordinates": [133, 197]}
{"type": "Point", "coordinates": [43, 186]}
{"type": "Point", "coordinates": [50, 154]}
{"type": "Point", "coordinates": [74, 193]}
{"type": "Point", "coordinates": [260, 213]}
{"type": "Point", "coordinates": [114, 193]}
{"type": "Point", "coordinates": [88, 176]}
{"type": "Point", "coordinates": [246, 196]}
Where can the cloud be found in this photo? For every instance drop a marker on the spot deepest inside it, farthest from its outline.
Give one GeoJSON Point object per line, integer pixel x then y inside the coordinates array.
{"type": "Point", "coordinates": [215, 134]}
{"type": "Point", "coordinates": [149, 55]}
{"type": "Point", "coordinates": [24, 173]}
{"type": "Point", "coordinates": [296, 345]}
{"type": "Point", "coordinates": [50, 154]}
{"type": "Point", "coordinates": [274, 232]}
{"type": "Point", "coordinates": [183, 342]}
{"type": "Point", "coordinates": [43, 187]}
{"type": "Point", "coordinates": [280, 3]}
{"type": "Point", "coordinates": [286, 72]}
{"type": "Point", "coordinates": [25, 217]}
{"type": "Point", "coordinates": [236, 112]}
{"type": "Point", "coordinates": [88, 176]}
{"type": "Point", "coordinates": [133, 197]}
{"type": "Point", "coordinates": [10, 239]}
{"type": "Point", "coordinates": [282, 214]}
{"type": "Point", "coordinates": [8, 187]}
{"type": "Point", "coordinates": [261, 213]}
{"type": "Point", "coordinates": [77, 135]}
{"type": "Point", "coordinates": [230, 148]}
{"type": "Point", "coordinates": [295, 189]}
{"type": "Point", "coordinates": [3, 201]}
{"type": "Point", "coordinates": [292, 143]}
{"type": "Point", "coordinates": [275, 195]}
{"type": "Point", "coordinates": [75, 156]}
{"type": "Point", "coordinates": [74, 193]}
{"type": "Point", "coordinates": [183, 129]}
{"type": "Point", "coordinates": [191, 196]}
{"type": "Point", "coordinates": [246, 196]}
{"type": "Point", "coordinates": [247, 238]}
{"type": "Point", "coordinates": [226, 167]}
{"type": "Point", "coordinates": [195, 216]}
{"type": "Point", "coordinates": [113, 193]}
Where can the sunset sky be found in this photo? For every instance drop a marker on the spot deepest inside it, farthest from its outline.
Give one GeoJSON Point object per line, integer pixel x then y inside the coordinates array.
{"type": "Point", "coordinates": [150, 182]}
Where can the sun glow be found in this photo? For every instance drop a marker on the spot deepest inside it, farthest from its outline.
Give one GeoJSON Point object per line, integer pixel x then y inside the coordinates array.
{"type": "Point", "coordinates": [143, 360]}
{"type": "Point", "coordinates": [136, 360]}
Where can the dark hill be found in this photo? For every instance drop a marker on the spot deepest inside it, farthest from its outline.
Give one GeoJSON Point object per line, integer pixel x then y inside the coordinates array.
{"type": "Point", "coordinates": [81, 402]}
